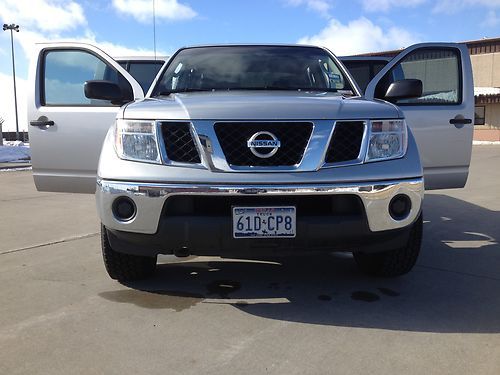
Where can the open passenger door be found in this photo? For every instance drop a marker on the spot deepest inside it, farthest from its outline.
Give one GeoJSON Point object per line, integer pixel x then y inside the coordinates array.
{"type": "Point", "coordinates": [442, 118]}
{"type": "Point", "coordinates": [66, 128]}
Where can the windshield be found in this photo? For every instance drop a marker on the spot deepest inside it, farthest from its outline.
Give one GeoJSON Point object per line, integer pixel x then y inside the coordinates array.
{"type": "Point", "coordinates": [252, 68]}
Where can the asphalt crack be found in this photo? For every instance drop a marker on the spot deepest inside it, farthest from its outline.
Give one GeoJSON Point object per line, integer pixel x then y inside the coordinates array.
{"type": "Point", "coordinates": [458, 272]}
{"type": "Point", "coordinates": [63, 240]}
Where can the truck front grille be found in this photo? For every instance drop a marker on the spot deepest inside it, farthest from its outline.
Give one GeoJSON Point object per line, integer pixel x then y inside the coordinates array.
{"type": "Point", "coordinates": [179, 143]}
{"type": "Point", "coordinates": [234, 136]}
{"type": "Point", "coordinates": [345, 144]}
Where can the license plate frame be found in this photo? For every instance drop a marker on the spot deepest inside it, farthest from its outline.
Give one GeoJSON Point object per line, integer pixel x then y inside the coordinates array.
{"type": "Point", "coordinates": [278, 227]}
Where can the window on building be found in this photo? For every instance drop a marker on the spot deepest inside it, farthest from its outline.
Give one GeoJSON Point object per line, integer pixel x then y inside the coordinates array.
{"type": "Point", "coordinates": [479, 115]}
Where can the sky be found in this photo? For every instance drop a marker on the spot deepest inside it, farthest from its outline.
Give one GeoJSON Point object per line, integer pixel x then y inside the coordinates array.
{"type": "Point", "coordinates": [125, 27]}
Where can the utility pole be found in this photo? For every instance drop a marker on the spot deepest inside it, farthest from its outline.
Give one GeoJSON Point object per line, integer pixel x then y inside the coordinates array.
{"type": "Point", "coordinates": [13, 27]}
{"type": "Point", "coordinates": [1, 135]}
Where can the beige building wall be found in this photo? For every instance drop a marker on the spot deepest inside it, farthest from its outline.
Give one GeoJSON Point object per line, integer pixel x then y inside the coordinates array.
{"type": "Point", "coordinates": [486, 69]}
{"type": "Point", "coordinates": [492, 115]}
{"type": "Point", "coordinates": [490, 131]}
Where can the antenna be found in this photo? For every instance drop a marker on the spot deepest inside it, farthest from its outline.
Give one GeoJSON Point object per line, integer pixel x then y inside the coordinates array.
{"type": "Point", "coordinates": [154, 27]}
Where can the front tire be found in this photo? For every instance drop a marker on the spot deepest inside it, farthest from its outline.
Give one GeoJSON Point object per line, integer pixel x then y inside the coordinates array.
{"type": "Point", "coordinates": [394, 262]}
{"type": "Point", "coordinates": [125, 267]}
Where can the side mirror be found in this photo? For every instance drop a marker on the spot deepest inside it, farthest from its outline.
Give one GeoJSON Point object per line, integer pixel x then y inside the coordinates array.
{"type": "Point", "coordinates": [404, 89]}
{"type": "Point", "coordinates": [104, 90]}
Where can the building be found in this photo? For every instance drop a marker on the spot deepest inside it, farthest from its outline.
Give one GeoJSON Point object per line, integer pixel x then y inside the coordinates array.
{"type": "Point", "coordinates": [485, 58]}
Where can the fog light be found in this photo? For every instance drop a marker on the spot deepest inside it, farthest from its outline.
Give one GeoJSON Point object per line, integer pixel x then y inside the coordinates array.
{"type": "Point", "coordinates": [124, 209]}
{"type": "Point", "coordinates": [400, 207]}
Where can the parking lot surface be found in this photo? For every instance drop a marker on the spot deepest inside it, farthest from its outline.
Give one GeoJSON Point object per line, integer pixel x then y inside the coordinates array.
{"type": "Point", "coordinates": [61, 314]}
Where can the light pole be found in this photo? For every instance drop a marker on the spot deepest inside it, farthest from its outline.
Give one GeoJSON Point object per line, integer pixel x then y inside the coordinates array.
{"type": "Point", "coordinates": [13, 27]}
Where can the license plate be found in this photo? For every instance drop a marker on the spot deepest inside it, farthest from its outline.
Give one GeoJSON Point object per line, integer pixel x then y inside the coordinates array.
{"type": "Point", "coordinates": [264, 222]}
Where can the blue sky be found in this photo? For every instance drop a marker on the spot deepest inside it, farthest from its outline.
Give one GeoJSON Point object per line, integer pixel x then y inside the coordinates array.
{"type": "Point", "coordinates": [124, 27]}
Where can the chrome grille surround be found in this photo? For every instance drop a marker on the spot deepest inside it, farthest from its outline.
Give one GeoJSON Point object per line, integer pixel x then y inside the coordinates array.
{"type": "Point", "coordinates": [212, 156]}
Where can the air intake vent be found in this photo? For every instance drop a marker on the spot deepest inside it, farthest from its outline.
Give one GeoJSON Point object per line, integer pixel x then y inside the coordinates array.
{"type": "Point", "coordinates": [345, 144]}
{"type": "Point", "coordinates": [179, 142]}
{"type": "Point", "coordinates": [292, 136]}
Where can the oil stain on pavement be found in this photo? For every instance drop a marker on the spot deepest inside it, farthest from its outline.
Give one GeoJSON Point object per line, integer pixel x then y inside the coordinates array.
{"type": "Point", "coordinates": [364, 296]}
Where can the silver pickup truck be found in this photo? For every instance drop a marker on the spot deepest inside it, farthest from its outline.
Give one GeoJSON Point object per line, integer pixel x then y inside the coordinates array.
{"type": "Point", "coordinates": [253, 150]}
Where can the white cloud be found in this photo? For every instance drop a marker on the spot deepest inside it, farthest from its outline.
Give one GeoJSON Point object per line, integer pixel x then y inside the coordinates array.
{"type": "Point", "coordinates": [28, 39]}
{"type": "Point", "coordinates": [43, 15]}
{"type": "Point", "coordinates": [359, 36]}
{"type": "Point", "coordinates": [116, 50]}
{"type": "Point", "coordinates": [453, 6]}
{"type": "Point", "coordinates": [385, 5]}
{"type": "Point", "coordinates": [321, 6]}
{"type": "Point", "coordinates": [7, 103]}
{"type": "Point", "coordinates": [439, 6]}
{"type": "Point", "coordinates": [142, 10]}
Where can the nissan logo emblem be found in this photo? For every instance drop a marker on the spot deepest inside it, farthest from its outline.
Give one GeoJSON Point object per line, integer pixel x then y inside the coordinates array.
{"type": "Point", "coordinates": [264, 141]}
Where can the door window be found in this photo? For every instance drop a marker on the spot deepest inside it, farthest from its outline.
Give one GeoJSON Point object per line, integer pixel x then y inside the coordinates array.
{"type": "Point", "coordinates": [364, 71]}
{"type": "Point", "coordinates": [65, 73]}
{"type": "Point", "coordinates": [438, 69]}
{"type": "Point", "coordinates": [145, 72]}
{"type": "Point", "coordinates": [361, 73]}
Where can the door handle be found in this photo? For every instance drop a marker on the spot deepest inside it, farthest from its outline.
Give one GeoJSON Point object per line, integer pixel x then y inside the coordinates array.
{"type": "Point", "coordinates": [460, 120]}
{"type": "Point", "coordinates": [42, 121]}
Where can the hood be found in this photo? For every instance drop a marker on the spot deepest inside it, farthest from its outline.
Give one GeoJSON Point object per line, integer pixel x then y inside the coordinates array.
{"type": "Point", "coordinates": [258, 105]}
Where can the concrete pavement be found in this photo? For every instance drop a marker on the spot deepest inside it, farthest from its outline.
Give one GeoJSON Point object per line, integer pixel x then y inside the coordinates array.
{"type": "Point", "coordinates": [60, 313]}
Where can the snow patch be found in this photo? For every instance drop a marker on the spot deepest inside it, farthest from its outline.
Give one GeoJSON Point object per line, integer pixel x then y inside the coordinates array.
{"type": "Point", "coordinates": [479, 143]}
{"type": "Point", "coordinates": [20, 169]}
{"type": "Point", "coordinates": [14, 151]}
{"type": "Point", "coordinates": [486, 91]}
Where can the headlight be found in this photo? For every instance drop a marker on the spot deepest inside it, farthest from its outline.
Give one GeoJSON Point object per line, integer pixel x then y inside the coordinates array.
{"type": "Point", "coordinates": [136, 140]}
{"type": "Point", "coordinates": [388, 140]}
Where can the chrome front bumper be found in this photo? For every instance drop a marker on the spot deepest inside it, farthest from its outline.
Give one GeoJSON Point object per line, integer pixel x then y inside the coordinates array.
{"type": "Point", "coordinates": [149, 199]}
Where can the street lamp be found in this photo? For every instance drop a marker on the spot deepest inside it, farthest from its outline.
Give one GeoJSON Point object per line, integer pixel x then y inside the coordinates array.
{"type": "Point", "coordinates": [13, 27]}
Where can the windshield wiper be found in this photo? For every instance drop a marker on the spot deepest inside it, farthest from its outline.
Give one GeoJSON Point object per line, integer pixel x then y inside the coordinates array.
{"type": "Point", "coordinates": [268, 88]}
{"type": "Point", "coordinates": [166, 93]}
{"type": "Point", "coordinates": [285, 88]}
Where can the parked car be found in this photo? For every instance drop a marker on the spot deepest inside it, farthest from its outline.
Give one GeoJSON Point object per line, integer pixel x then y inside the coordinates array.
{"type": "Point", "coordinates": [253, 150]}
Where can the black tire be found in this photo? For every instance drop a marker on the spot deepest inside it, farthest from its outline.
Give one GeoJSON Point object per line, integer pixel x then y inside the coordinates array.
{"type": "Point", "coordinates": [125, 267]}
{"type": "Point", "coordinates": [395, 262]}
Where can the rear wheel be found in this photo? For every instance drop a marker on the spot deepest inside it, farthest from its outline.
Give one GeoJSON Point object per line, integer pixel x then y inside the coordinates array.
{"type": "Point", "coordinates": [394, 262]}
{"type": "Point", "coordinates": [125, 267]}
